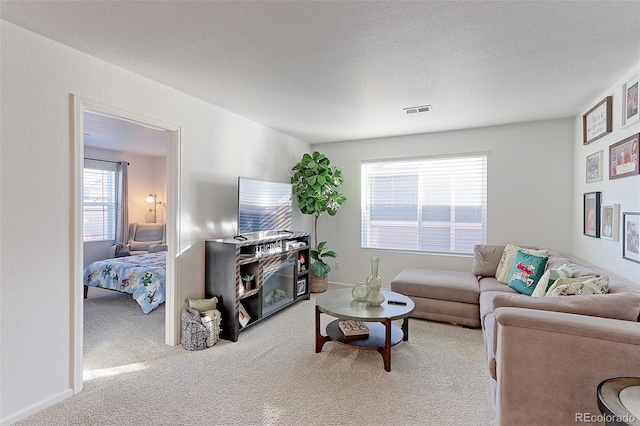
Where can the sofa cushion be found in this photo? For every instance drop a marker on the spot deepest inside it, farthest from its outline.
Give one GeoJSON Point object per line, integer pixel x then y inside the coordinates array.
{"type": "Point", "coordinates": [486, 302]}
{"type": "Point", "coordinates": [549, 277]}
{"type": "Point", "coordinates": [486, 259]}
{"type": "Point", "coordinates": [437, 284]}
{"type": "Point", "coordinates": [526, 272]}
{"type": "Point", "coordinates": [582, 286]}
{"type": "Point", "coordinates": [579, 270]}
{"type": "Point", "coordinates": [622, 306]}
{"type": "Point", "coordinates": [492, 284]}
{"type": "Point", "coordinates": [467, 314]}
{"type": "Point", "coordinates": [490, 343]}
{"type": "Point", "coordinates": [503, 272]}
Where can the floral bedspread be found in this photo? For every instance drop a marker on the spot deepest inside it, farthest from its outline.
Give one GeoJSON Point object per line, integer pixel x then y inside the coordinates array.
{"type": "Point", "coordinates": [143, 276]}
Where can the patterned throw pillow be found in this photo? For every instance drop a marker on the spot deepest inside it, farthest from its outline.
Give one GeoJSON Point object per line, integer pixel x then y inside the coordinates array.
{"type": "Point", "coordinates": [503, 273]}
{"type": "Point", "coordinates": [582, 286]}
{"type": "Point", "coordinates": [526, 272]}
{"type": "Point", "coordinates": [549, 277]}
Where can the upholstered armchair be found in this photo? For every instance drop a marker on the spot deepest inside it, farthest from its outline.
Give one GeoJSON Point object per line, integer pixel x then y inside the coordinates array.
{"type": "Point", "coordinates": [143, 238]}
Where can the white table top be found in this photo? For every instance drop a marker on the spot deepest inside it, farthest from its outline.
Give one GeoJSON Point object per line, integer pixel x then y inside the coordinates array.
{"type": "Point", "coordinates": [630, 398]}
{"type": "Point", "coordinates": [340, 304]}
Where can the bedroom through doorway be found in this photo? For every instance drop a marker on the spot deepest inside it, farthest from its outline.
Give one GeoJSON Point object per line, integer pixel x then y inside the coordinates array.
{"type": "Point", "coordinates": [123, 159]}
{"type": "Point", "coordinates": [126, 181]}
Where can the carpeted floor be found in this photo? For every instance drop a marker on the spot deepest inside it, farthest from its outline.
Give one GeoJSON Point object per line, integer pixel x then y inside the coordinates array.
{"type": "Point", "coordinates": [272, 375]}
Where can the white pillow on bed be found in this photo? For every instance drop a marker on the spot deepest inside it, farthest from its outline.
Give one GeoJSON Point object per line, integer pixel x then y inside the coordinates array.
{"type": "Point", "coordinates": [203, 305]}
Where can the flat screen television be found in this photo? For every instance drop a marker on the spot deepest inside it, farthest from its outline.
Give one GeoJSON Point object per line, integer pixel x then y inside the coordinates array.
{"type": "Point", "coordinates": [263, 206]}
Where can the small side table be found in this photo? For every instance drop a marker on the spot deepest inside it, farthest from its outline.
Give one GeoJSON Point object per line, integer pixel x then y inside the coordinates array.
{"type": "Point", "coordinates": [619, 401]}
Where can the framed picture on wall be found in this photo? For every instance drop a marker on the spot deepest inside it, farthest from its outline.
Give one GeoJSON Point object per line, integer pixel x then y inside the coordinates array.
{"type": "Point", "coordinates": [594, 166]}
{"type": "Point", "coordinates": [610, 222]}
{"type": "Point", "coordinates": [630, 112]}
{"type": "Point", "coordinates": [630, 237]}
{"type": "Point", "coordinates": [598, 121]}
{"type": "Point", "coordinates": [591, 220]}
{"type": "Point", "coordinates": [623, 158]}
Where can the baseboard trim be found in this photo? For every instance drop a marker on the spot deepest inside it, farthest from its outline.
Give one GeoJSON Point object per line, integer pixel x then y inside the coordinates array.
{"type": "Point", "coordinates": [335, 283]}
{"type": "Point", "coordinates": [339, 284]}
{"type": "Point", "coordinates": [34, 408]}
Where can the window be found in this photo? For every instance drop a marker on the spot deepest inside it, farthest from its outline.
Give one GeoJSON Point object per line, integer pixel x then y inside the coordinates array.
{"type": "Point", "coordinates": [429, 205]}
{"type": "Point", "coordinates": [99, 200]}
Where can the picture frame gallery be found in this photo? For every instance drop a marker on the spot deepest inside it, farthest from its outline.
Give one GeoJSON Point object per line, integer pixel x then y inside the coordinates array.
{"type": "Point", "coordinates": [630, 236]}
{"type": "Point", "coordinates": [594, 167]}
{"type": "Point", "coordinates": [630, 101]}
{"type": "Point", "coordinates": [624, 157]}
{"type": "Point", "coordinates": [610, 222]}
{"type": "Point", "coordinates": [591, 214]}
{"type": "Point", "coordinates": [598, 121]}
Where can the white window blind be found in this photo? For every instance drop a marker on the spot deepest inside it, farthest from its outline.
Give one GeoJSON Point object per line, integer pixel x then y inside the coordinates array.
{"type": "Point", "coordinates": [430, 205]}
{"type": "Point", "coordinates": [99, 200]}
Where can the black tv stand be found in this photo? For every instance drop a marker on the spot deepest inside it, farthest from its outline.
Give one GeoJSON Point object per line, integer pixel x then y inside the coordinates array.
{"type": "Point", "coordinates": [278, 263]}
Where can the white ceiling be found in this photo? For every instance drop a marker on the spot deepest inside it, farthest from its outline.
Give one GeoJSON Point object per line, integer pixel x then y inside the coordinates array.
{"type": "Point", "coordinates": [117, 134]}
{"type": "Point", "coordinates": [331, 71]}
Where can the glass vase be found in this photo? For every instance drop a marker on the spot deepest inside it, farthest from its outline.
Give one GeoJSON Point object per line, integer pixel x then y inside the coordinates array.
{"type": "Point", "coordinates": [359, 292]}
{"type": "Point", "coordinates": [375, 296]}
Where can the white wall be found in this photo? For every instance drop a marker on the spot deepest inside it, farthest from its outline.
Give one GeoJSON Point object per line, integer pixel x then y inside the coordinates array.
{"type": "Point", "coordinates": [624, 191]}
{"type": "Point", "coordinates": [530, 170]}
{"type": "Point", "coordinates": [38, 76]}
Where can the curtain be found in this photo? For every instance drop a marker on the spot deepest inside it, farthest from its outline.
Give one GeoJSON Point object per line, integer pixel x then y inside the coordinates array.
{"type": "Point", "coordinates": [122, 202]}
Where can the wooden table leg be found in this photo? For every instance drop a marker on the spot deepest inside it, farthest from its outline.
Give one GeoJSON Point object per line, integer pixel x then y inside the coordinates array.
{"type": "Point", "coordinates": [405, 329]}
{"type": "Point", "coordinates": [386, 351]}
{"type": "Point", "coordinates": [320, 339]}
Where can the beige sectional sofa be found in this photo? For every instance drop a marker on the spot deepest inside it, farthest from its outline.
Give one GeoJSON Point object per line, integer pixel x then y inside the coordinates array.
{"type": "Point", "coordinates": [545, 355]}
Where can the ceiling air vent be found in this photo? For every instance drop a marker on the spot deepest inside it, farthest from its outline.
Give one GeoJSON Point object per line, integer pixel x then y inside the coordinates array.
{"type": "Point", "coordinates": [416, 109]}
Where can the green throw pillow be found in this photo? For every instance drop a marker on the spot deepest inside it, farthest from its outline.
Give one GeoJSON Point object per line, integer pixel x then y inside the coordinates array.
{"type": "Point", "coordinates": [526, 272]}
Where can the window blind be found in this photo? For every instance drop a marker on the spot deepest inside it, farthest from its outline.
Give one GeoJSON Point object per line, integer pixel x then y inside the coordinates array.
{"type": "Point", "coordinates": [99, 201]}
{"type": "Point", "coordinates": [429, 205]}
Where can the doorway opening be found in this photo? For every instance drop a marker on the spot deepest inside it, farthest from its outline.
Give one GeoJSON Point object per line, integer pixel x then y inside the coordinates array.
{"type": "Point", "coordinates": [94, 130]}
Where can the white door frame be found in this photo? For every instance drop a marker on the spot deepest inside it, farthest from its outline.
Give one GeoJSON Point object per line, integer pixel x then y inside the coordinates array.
{"type": "Point", "coordinates": [172, 310]}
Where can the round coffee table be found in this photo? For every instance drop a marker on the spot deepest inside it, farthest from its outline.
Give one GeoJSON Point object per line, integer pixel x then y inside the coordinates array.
{"type": "Point", "coordinates": [382, 332]}
{"type": "Point", "coordinates": [619, 401]}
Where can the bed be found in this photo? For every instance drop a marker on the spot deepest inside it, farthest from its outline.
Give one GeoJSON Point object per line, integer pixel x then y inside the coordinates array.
{"type": "Point", "coordinates": [142, 275]}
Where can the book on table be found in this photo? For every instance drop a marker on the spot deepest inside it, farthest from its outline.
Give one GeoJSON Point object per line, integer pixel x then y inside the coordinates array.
{"type": "Point", "coordinates": [354, 329]}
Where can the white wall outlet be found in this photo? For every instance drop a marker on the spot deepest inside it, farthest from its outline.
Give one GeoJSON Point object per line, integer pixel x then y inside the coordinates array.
{"type": "Point", "coordinates": [337, 266]}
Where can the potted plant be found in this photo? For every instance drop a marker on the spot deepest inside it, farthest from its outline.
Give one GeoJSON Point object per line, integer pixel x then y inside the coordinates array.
{"type": "Point", "coordinates": [315, 184]}
{"type": "Point", "coordinates": [247, 281]}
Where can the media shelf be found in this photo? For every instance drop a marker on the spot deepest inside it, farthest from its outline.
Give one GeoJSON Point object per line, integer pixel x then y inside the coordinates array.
{"type": "Point", "coordinates": [278, 263]}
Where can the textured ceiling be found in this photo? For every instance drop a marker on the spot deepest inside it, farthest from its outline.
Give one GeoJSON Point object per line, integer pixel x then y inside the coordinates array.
{"type": "Point", "coordinates": [333, 71]}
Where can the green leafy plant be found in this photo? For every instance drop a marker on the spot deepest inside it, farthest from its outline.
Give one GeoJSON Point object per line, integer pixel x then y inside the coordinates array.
{"type": "Point", "coordinates": [247, 278]}
{"type": "Point", "coordinates": [315, 184]}
{"type": "Point", "coordinates": [319, 266]}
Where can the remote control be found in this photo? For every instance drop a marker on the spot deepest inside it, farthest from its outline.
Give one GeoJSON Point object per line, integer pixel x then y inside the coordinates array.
{"type": "Point", "coordinates": [396, 302]}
